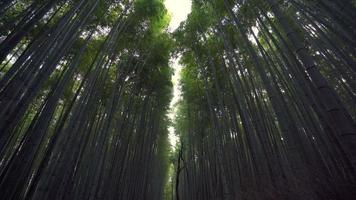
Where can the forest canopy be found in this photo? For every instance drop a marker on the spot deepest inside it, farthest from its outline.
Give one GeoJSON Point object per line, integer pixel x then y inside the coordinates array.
{"type": "Point", "coordinates": [267, 108]}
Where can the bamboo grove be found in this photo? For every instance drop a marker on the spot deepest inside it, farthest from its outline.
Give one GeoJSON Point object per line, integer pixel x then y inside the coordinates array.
{"type": "Point", "coordinates": [268, 104]}
{"type": "Point", "coordinates": [85, 87]}
{"type": "Point", "coordinates": [267, 111]}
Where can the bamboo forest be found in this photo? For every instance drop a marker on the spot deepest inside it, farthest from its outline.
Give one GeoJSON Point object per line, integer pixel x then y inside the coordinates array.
{"type": "Point", "coordinates": [241, 100]}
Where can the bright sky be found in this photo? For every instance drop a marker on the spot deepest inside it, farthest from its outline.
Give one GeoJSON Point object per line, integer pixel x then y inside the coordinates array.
{"type": "Point", "coordinates": [176, 96]}
{"type": "Point", "coordinates": [179, 10]}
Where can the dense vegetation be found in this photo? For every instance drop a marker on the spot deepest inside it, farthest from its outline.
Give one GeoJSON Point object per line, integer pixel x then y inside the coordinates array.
{"type": "Point", "coordinates": [268, 104]}
{"type": "Point", "coordinates": [85, 89]}
{"type": "Point", "coordinates": [268, 109]}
